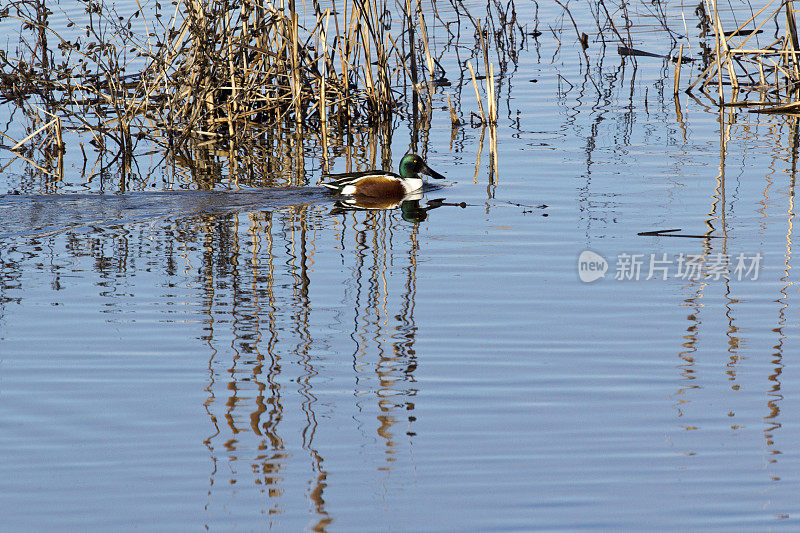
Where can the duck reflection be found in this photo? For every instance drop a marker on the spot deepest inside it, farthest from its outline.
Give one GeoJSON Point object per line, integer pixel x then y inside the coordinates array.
{"type": "Point", "coordinates": [410, 208]}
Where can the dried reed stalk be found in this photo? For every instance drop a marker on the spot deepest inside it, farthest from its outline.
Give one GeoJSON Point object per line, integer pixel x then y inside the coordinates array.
{"type": "Point", "coordinates": [477, 92]}
{"type": "Point", "coordinates": [678, 70]}
{"type": "Point", "coordinates": [454, 120]}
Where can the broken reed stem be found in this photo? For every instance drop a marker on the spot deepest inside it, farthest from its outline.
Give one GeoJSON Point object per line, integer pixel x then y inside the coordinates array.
{"type": "Point", "coordinates": [489, 70]}
{"type": "Point", "coordinates": [484, 50]}
{"type": "Point", "coordinates": [232, 75]}
{"type": "Point", "coordinates": [298, 108]}
{"type": "Point", "coordinates": [678, 70]}
{"type": "Point", "coordinates": [454, 120]}
{"type": "Point", "coordinates": [791, 38]}
{"type": "Point", "coordinates": [477, 92]}
{"type": "Point", "coordinates": [412, 45]}
{"type": "Point", "coordinates": [35, 133]}
{"type": "Point", "coordinates": [492, 100]}
{"type": "Point", "coordinates": [323, 105]}
{"type": "Point", "coordinates": [718, 48]}
{"type": "Point", "coordinates": [425, 45]}
{"type": "Point", "coordinates": [584, 40]}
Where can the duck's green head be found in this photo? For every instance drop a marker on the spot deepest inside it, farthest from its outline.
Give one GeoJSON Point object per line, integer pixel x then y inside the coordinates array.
{"type": "Point", "coordinates": [412, 165]}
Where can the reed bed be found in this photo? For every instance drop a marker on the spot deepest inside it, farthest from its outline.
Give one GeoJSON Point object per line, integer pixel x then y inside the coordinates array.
{"type": "Point", "coordinates": [245, 84]}
{"type": "Point", "coordinates": [215, 70]}
{"type": "Point", "coordinates": [217, 67]}
{"type": "Point", "coordinates": [744, 71]}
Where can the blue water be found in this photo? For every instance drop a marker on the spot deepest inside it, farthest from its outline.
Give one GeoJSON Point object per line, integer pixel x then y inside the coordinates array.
{"type": "Point", "coordinates": [250, 361]}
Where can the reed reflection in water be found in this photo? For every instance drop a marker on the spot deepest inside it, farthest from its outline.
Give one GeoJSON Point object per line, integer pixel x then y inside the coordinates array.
{"type": "Point", "coordinates": [279, 363]}
{"type": "Point", "coordinates": [305, 333]}
{"type": "Point", "coordinates": [276, 355]}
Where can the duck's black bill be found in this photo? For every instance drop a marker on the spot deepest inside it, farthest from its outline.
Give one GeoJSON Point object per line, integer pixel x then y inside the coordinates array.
{"type": "Point", "coordinates": [432, 173]}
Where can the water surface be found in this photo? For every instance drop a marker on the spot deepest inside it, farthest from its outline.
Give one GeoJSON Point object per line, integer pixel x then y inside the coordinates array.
{"type": "Point", "coordinates": [179, 360]}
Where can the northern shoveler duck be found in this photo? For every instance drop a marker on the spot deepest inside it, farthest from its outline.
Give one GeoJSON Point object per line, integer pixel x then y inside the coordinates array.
{"type": "Point", "coordinates": [382, 185]}
{"type": "Point", "coordinates": [360, 202]}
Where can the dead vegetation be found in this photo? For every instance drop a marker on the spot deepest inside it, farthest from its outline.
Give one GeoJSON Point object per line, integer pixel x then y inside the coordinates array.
{"type": "Point", "coordinates": [247, 89]}
{"type": "Point", "coordinates": [755, 62]}
{"type": "Point", "coordinates": [211, 83]}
